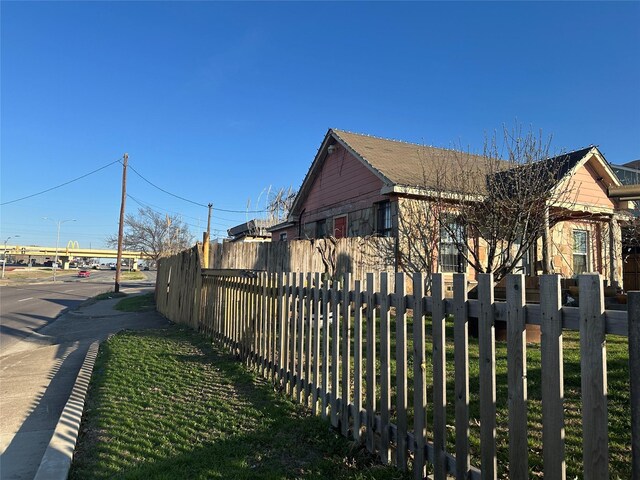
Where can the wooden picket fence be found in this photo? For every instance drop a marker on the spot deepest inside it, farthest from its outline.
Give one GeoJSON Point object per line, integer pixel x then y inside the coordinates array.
{"type": "Point", "coordinates": [319, 341]}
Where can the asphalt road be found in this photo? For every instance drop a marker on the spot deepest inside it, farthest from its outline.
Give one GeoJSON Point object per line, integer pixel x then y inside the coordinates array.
{"type": "Point", "coordinates": [26, 308]}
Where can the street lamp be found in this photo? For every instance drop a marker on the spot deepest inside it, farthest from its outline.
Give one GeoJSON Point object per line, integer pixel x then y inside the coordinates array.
{"type": "Point", "coordinates": [59, 222]}
{"type": "Point", "coordinates": [4, 252]}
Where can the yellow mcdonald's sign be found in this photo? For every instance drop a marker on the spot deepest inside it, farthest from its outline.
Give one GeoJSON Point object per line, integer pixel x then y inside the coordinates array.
{"type": "Point", "coordinates": [72, 244]}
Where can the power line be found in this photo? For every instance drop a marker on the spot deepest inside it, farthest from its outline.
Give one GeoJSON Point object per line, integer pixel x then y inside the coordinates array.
{"type": "Point", "coordinates": [142, 204]}
{"type": "Point", "coordinates": [192, 201]}
{"type": "Point", "coordinates": [61, 185]}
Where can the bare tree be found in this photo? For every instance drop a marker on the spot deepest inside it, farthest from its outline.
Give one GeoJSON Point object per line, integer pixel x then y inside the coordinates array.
{"type": "Point", "coordinates": [155, 234]}
{"type": "Point", "coordinates": [494, 208]}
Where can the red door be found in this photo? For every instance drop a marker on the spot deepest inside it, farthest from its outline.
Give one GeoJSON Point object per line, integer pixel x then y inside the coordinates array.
{"type": "Point", "coordinates": [340, 227]}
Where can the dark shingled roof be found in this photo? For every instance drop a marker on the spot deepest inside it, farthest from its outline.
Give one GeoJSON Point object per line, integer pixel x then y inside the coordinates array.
{"type": "Point", "coordinates": [413, 165]}
{"type": "Point", "coordinates": [407, 164]}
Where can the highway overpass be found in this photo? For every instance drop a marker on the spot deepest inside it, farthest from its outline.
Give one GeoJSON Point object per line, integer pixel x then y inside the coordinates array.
{"type": "Point", "coordinates": [71, 251]}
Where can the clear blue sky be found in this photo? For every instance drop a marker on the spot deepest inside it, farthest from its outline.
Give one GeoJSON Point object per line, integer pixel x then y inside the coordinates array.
{"type": "Point", "coordinates": [214, 102]}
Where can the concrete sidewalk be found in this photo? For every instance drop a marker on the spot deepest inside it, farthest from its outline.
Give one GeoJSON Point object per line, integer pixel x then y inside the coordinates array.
{"type": "Point", "coordinates": [43, 380]}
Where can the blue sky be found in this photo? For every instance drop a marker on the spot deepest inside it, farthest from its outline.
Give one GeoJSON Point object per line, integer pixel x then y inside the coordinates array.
{"type": "Point", "coordinates": [215, 102]}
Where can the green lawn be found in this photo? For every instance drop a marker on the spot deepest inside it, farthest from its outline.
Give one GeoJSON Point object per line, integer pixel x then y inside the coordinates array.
{"type": "Point", "coordinates": [136, 303]}
{"type": "Point", "coordinates": [167, 404]}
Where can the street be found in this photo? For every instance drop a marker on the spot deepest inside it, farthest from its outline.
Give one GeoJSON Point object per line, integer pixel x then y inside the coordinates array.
{"type": "Point", "coordinates": [26, 308]}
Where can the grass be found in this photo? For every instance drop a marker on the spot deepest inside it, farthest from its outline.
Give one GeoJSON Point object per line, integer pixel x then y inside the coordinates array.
{"type": "Point", "coordinates": [36, 274]}
{"type": "Point", "coordinates": [132, 276]}
{"type": "Point", "coordinates": [137, 303]}
{"type": "Point", "coordinates": [168, 404]}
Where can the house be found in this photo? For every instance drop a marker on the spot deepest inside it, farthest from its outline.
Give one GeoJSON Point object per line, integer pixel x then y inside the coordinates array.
{"type": "Point", "coordinates": [360, 185]}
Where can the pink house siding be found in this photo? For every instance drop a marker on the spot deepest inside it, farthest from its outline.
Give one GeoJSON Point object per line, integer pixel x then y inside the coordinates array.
{"type": "Point", "coordinates": [590, 191]}
{"type": "Point", "coordinates": [343, 185]}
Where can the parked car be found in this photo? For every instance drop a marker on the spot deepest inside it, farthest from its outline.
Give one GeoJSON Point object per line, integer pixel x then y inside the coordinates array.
{"type": "Point", "coordinates": [84, 273]}
{"type": "Point", "coordinates": [112, 266]}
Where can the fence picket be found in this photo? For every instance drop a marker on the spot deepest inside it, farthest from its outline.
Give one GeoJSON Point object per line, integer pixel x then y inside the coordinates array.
{"type": "Point", "coordinates": [487, 354]}
{"type": "Point", "coordinates": [335, 352]}
{"type": "Point", "coordinates": [461, 365]}
{"type": "Point", "coordinates": [634, 367]}
{"type": "Point", "coordinates": [300, 336]}
{"type": "Point", "coordinates": [385, 369]}
{"type": "Point", "coordinates": [325, 348]}
{"type": "Point", "coordinates": [401, 372]}
{"type": "Point", "coordinates": [419, 382]}
{"type": "Point", "coordinates": [438, 317]}
{"type": "Point", "coordinates": [282, 322]}
{"type": "Point", "coordinates": [346, 354]}
{"type": "Point", "coordinates": [595, 452]}
{"type": "Point", "coordinates": [316, 342]}
{"type": "Point", "coordinates": [293, 331]}
{"type": "Point", "coordinates": [357, 361]}
{"type": "Point", "coordinates": [308, 320]}
{"type": "Point", "coordinates": [552, 388]}
{"type": "Point", "coordinates": [371, 364]}
{"type": "Point", "coordinates": [517, 377]}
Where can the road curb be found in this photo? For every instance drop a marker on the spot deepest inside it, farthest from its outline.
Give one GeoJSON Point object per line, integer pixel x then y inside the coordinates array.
{"type": "Point", "coordinates": [56, 462]}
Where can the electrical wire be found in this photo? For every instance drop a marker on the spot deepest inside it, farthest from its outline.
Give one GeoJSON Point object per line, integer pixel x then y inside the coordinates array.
{"type": "Point", "coordinates": [191, 201]}
{"type": "Point", "coordinates": [62, 184]}
{"type": "Point", "coordinates": [161, 213]}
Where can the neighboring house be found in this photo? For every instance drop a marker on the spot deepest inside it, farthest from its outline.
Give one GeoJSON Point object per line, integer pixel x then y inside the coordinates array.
{"type": "Point", "coordinates": [252, 231]}
{"type": "Point", "coordinates": [358, 184]}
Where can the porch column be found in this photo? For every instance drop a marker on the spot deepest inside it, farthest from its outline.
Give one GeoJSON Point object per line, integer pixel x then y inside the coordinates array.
{"type": "Point", "coordinates": [546, 244]}
{"type": "Point", "coordinates": [613, 224]}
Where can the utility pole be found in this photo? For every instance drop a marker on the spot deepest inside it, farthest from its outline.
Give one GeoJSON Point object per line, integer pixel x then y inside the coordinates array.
{"type": "Point", "coordinates": [121, 227]}
{"type": "Point", "coordinates": [206, 239]}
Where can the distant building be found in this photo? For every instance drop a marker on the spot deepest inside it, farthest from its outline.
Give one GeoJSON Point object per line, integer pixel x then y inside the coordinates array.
{"type": "Point", "coordinates": [252, 231]}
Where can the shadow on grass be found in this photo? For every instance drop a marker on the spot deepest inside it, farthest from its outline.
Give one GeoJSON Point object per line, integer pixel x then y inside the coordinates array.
{"type": "Point", "coordinates": [189, 410]}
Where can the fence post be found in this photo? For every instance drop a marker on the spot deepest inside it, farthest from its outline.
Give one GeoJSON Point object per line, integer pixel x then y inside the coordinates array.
{"type": "Point", "coordinates": [438, 317]}
{"type": "Point", "coordinates": [419, 383]}
{"type": "Point", "coordinates": [593, 370]}
{"type": "Point", "coordinates": [517, 377]}
{"type": "Point", "coordinates": [487, 353]}
{"type": "Point", "coordinates": [552, 370]}
{"type": "Point", "coordinates": [634, 368]}
{"type": "Point", "coordinates": [401, 371]}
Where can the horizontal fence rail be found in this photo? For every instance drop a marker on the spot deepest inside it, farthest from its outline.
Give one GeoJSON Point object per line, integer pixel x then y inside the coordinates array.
{"type": "Point", "coordinates": [374, 361]}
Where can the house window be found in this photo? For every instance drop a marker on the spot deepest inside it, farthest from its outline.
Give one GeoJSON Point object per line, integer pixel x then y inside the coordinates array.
{"type": "Point", "coordinates": [321, 228]}
{"type": "Point", "coordinates": [384, 219]}
{"type": "Point", "coordinates": [451, 235]}
{"type": "Point", "coordinates": [580, 251]}
{"type": "Point", "coordinates": [283, 237]}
